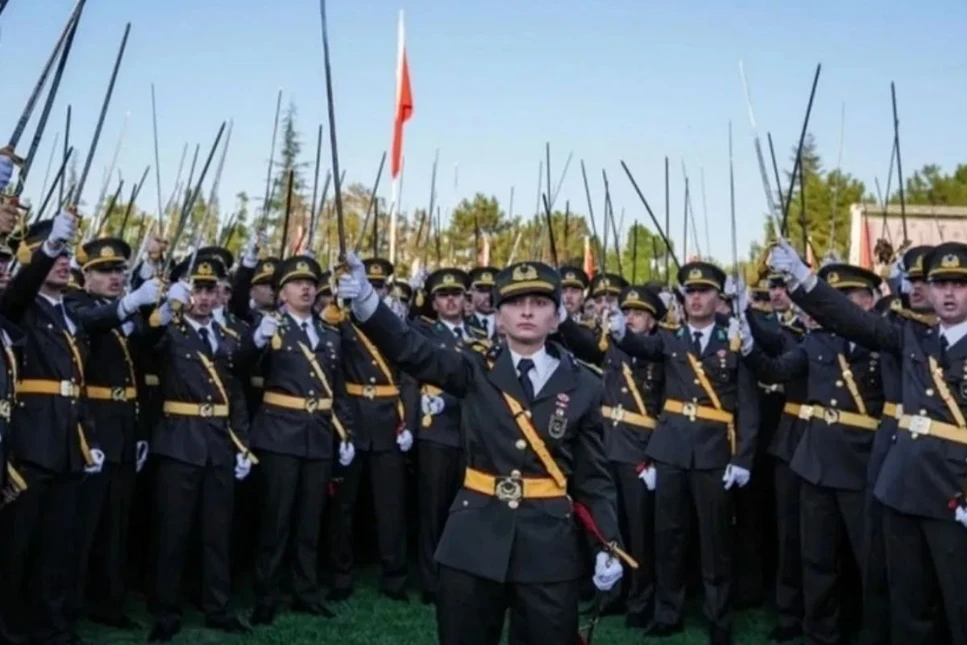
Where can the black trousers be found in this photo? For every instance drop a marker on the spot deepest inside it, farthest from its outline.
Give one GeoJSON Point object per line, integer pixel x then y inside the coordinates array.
{"type": "Point", "coordinates": [831, 530]}
{"type": "Point", "coordinates": [101, 540]}
{"type": "Point", "coordinates": [677, 493]}
{"type": "Point", "coordinates": [789, 602]}
{"type": "Point", "coordinates": [927, 583]}
{"type": "Point", "coordinates": [470, 611]}
{"type": "Point", "coordinates": [753, 522]}
{"type": "Point", "coordinates": [293, 497]}
{"type": "Point", "coordinates": [440, 476]}
{"type": "Point", "coordinates": [35, 558]}
{"type": "Point", "coordinates": [636, 514]}
{"type": "Point", "coordinates": [182, 492]}
{"type": "Point", "coordinates": [387, 475]}
{"type": "Point", "coordinates": [876, 586]}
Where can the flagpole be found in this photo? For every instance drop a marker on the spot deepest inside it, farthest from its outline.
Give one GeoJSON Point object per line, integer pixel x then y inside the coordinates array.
{"type": "Point", "coordinates": [397, 132]}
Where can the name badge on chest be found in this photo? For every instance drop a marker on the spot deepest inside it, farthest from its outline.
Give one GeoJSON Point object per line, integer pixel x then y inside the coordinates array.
{"type": "Point", "coordinates": [557, 426]}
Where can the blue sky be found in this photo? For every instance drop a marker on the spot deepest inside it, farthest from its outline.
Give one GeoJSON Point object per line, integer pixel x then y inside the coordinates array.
{"type": "Point", "coordinates": [493, 81]}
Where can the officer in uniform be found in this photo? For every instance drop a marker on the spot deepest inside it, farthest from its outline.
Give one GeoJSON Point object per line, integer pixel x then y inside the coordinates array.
{"type": "Point", "coordinates": [440, 460]}
{"type": "Point", "coordinates": [381, 438]}
{"type": "Point", "coordinates": [324, 292]}
{"type": "Point", "coordinates": [200, 443]}
{"type": "Point", "coordinates": [482, 321]}
{"type": "Point", "coordinates": [844, 404]}
{"type": "Point", "coordinates": [532, 418]}
{"type": "Point", "coordinates": [704, 445]}
{"type": "Point", "coordinates": [922, 478]}
{"type": "Point", "coordinates": [253, 295]}
{"type": "Point", "coordinates": [574, 284]}
{"type": "Point", "coordinates": [605, 289]}
{"type": "Point", "coordinates": [633, 394]}
{"type": "Point", "coordinates": [111, 392]}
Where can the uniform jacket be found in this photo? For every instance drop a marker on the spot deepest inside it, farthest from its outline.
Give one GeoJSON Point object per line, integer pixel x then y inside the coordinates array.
{"type": "Point", "coordinates": [484, 535]}
{"type": "Point", "coordinates": [476, 328]}
{"type": "Point", "coordinates": [700, 444]}
{"type": "Point", "coordinates": [625, 443]}
{"type": "Point", "coordinates": [12, 344]}
{"type": "Point", "coordinates": [921, 474]}
{"type": "Point", "coordinates": [441, 428]}
{"type": "Point", "coordinates": [301, 433]}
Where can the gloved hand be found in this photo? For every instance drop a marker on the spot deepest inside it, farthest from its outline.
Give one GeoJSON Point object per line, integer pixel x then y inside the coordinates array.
{"type": "Point", "coordinates": [62, 231]}
{"type": "Point", "coordinates": [404, 440]}
{"type": "Point", "coordinates": [179, 292]}
{"type": "Point", "coordinates": [742, 298]}
{"type": "Point", "coordinates": [618, 324]}
{"type": "Point", "coordinates": [142, 454]}
{"type": "Point", "coordinates": [396, 306]}
{"type": "Point", "coordinates": [6, 171]}
{"type": "Point", "coordinates": [561, 313]}
{"type": "Point", "coordinates": [146, 294]}
{"type": "Point", "coordinates": [268, 327]}
{"type": "Point", "coordinates": [417, 280]}
{"type": "Point", "coordinates": [250, 257]}
{"type": "Point", "coordinates": [961, 516]}
{"type": "Point", "coordinates": [432, 405]}
{"type": "Point", "coordinates": [746, 332]}
{"type": "Point", "coordinates": [354, 285]}
{"type": "Point", "coordinates": [607, 571]}
{"type": "Point", "coordinates": [243, 466]}
{"type": "Point", "coordinates": [147, 269]}
{"type": "Point", "coordinates": [735, 475]}
{"type": "Point", "coordinates": [346, 453]}
{"type": "Point", "coordinates": [98, 458]}
{"type": "Point", "coordinates": [649, 476]}
{"type": "Point", "coordinates": [785, 260]}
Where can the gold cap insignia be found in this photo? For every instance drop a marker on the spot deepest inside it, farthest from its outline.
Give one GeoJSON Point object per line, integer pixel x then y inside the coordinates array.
{"type": "Point", "coordinates": [448, 278]}
{"type": "Point", "coordinates": [633, 296]}
{"type": "Point", "coordinates": [605, 283]}
{"type": "Point", "coordinates": [268, 267]}
{"type": "Point", "coordinates": [918, 265]}
{"type": "Point", "coordinates": [486, 275]}
{"type": "Point", "coordinates": [950, 261]}
{"type": "Point", "coordinates": [695, 274]}
{"type": "Point", "coordinates": [570, 275]}
{"type": "Point", "coordinates": [833, 278]}
{"type": "Point", "coordinates": [302, 266]}
{"type": "Point", "coordinates": [107, 252]}
{"type": "Point", "coordinates": [524, 272]}
{"type": "Point", "coordinates": [204, 269]}
{"type": "Point", "coordinates": [376, 269]}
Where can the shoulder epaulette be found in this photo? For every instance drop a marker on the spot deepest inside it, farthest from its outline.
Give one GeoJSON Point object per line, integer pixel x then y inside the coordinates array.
{"type": "Point", "coordinates": [594, 368]}
{"type": "Point", "coordinates": [590, 323]}
{"type": "Point", "coordinates": [230, 332]}
{"type": "Point", "coordinates": [481, 345]}
{"type": "Point", "coordinates": [793, 327]}
{"type": "Point", "coordinates": [427, 320]}
{"type": "Point", "coordinates": [761, 306]}
{"type": "Point", "coordinates": [669, 326]}
{"type": "Point", "coordinates": [928, 320]}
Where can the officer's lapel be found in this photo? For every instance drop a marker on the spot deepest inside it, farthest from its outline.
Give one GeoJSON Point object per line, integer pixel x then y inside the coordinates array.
{"type": "Point", "coordinates": [957, 353]}
{"type": "Point", "coordinates": [504, 377]}
{"type": "Point", "coordinates": [718, 339]}
{"type": "Point", "coordinates": [562, 378]}
{"type": "Point", "coordinates": [51, 313]}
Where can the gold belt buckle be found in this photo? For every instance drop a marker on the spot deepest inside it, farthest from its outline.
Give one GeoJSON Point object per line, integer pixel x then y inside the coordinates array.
{"type": "Point", "coordinates": [806, 412]}
{"type": "Point", "coordinates": [312, 405]}
{"type": "Point", "coordinates": [830, 415]}
{"type": "Point", "coordinates": [509, 489]}
{"type": "Point", "coordinates": [66, 389]}
{"type": "Point", "coordinates": [369, 391]}
{"type": "Point", "coordinates": [617, 414]}
{"type": "Point", "coordinates": [920, 424]}
{"type": "Point", "coordinates": [690, 410]}
{"type": "Point", "coordinates": [117, 394]}
{"type": "Point", "coordinates": [206, 410]}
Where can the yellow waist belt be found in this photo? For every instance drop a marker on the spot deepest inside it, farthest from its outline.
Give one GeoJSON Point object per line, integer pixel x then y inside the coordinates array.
{"type": "Point", "coordinates": [918, 425]}
{"type": "Point", "coordinates": [832, 415]}
{"type": "Point", "coordinates": [296, 402]}
{"type": "Point", "coordinates": [695, 411]}
{"type": "Point", "coordinates": [894, 410]}
{"type": "Point", "coordinates": [620, 415]}
{"type": "Point", "coordinates": [205, 410]}
{"type": "Point", "coordinates": [514, 488]}
{"type": "Point", "coordinates": [119, 394]}
{"type": "Point", "coordinates": [372, 391]}
{"type": "Point", "coordinates": [66, 389]}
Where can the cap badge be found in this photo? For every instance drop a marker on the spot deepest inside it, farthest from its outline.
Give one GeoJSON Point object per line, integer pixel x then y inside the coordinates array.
{"type": "Point", "coordinates": [524, 272]}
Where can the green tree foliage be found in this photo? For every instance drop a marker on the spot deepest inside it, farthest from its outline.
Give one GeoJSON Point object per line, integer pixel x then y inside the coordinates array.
{"type": "Point", "coordinates": [929, 186]}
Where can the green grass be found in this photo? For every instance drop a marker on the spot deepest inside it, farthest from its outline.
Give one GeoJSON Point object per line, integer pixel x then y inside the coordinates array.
{"type": "Point", "coordinates": [368, 619]}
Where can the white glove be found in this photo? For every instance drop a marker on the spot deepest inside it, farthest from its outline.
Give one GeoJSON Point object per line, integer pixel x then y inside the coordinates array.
{"type": "Point", "coordinates": [142, 454]}
{"type": "Point", "coordinates": [6, 171]}
{"type": "Point", "coordinates": [735, 475]}
{"type": "Point", "coordinates": [650, 476]}
{"type": "Point", "coordinates": [404, 440]}
{"type": "Point", "coordinates": [906, 286]}
{"type": "Point", "coordinates": [250, 257]}
{"type": "Point", "coordinates": [607, 571]}
{"type": "Point", "coordinates": [354, 285]}
{"type": "Point", "coordinates": [147, 269]}
{"type": "Point", "coordinates": [961, 516]}
{"type": "Point", "coordinates": [179, 292]}
{"type": "Point", "coordinates": [243, 466]}
{"type": "Point", "coordinates": [742, 298]}
{"type": "Point", "coordinates": [416, 282]}
{"type": "Point", "coordinates": [146, 294]}
{"type": "Point", "coordinates": [63, 230]}
{"type": "Point", "coordinates": [746, 332]}
{"type": "Point", "coordinates": [98, 458]}
{"type": "Point", "coordinates": [618, 324]}
{"type": "Point", "coordinates": [267, 328]}
{"type": "Point", "coordinates": [396, 306]}
{"type": "Point", "coordinates": [431, 404]}
{"type": "Point", "coordinates": [346, 453]}
{"type": "Point", "coordinates": [785, 260]}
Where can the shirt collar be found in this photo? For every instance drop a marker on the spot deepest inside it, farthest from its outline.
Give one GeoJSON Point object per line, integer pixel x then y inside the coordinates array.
{"type": "Point", "coordinates": [197, 325]}
{"type": "Point", "coordinates": [954, 333]}
{"type": "Point", "coordinates": [298, 320]}
{"type": "Point", "coordinates": [704, 331]}
{"type": "Point", "coordinates": [454, 326]}
{"type": "Point", "coordinates": [540, 358]}
{"type": "Point", "coordinates": [53, 301]}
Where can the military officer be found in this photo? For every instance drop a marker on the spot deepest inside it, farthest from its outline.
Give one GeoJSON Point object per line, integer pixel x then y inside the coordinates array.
{"type": "Point", "coordinates": [111, 392]}
{"type": "Point", "coordinates": [534, 435]}
{"type": "Point", "coordinates": [633, 394]}
{"type": "Point", "coordinates": [574, 284]}
{"type": "Point", "coordinates": [440, 454]}
{"type": "Point", "coordinates": [922, 477]}
{"type": "Point", "coordinates": [482, 321]}
{"type": "Point", "coordinates": [604, 291]}
{"type": "Point", "coordinates": [844, 404]}
{"type": "Point", "coordinates": [200, 443]}
{"type": "Point", "coordinates": [374, 386]}
{"type": "Point", "coordinates": [324, 292]}
{"type": "Point", "coordinates": [704, 445]}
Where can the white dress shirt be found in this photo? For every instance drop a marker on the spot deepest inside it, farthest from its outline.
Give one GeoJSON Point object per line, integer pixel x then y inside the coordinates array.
{"type": "Point", "coordinates": [454, 327]}
{"type": "Point", "coordinates": [544, 366]}
{"type": "Point", "coordinates": [309, 328]}
{"type": "Point", "coordinates": [488, 322]}
{"type": "Point", "coordinates": [953, 333]}
{"type": "Point", "coordinates": [212, 340]}
{"type": "Point", "coordinates": [59, 303]}
{"type": "Point", "coordinates": [218, 313]}
{"type": "Point", "coordinates": [705, 332]}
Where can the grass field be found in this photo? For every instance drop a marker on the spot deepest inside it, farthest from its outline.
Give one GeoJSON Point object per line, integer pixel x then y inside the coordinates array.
{"type": "Point", "coordinates": [368, 619]}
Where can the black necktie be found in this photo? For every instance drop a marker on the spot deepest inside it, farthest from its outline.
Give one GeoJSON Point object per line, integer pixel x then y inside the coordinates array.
{"type": "Point", "coordinates": [944, 345]}
{"type": "Point", "coordinates": [524, 366]}
{"type": "Point", "coordinates": [203, 332]}
{"type": "Point", "coordinates": [697, 342]}
{"type": "Point", "coordinates": [63, 316]}
{"type": "Point", "coordinates": [458, 332]}
{"type": "Point", "coordinates": [483, 323]}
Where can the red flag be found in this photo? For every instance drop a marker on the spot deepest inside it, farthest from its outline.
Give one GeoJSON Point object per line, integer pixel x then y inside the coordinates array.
{"type": "Point", "coordinates": [404, 104]}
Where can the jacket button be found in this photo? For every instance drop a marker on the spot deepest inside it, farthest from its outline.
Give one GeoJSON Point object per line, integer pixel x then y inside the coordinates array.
{"type": "Point", "coordinates": [839, 384]}
{"type": "Point", "coordinates": [832, 403]}
{"type": "Point", "coordinates": [515, 474]}
{"type": "Point", "coordinates": [466, 503]}
{"type": "Point", "coordinates": [521, 444]}
{"type": "Point", "coordinates": [929, 392]}
{"type": "Point", "coordinates": [513, 504]}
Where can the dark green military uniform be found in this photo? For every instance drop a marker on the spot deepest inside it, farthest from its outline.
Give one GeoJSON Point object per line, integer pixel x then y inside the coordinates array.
{"type": "Point", "coordinates": [519, 484]}
{"type": "Point", "coordinates": [710, 419]}
{"type": "Point", "coordinates": [482, 325]}
{"type": "Point", "coordinates": [633, 395]}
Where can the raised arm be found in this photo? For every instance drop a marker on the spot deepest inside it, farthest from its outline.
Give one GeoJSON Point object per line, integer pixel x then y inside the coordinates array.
{"type": "Point", "coordinates": [786, 367]}
{"type": "Point", "coordinates": [836, 312]}
{"type": "Point", "coordinates": [25, 285]}
{"type": "Point", "coordinates": [581, 340]}
{"type": "Point", "coordinates": [647, 347]}
{"type": "Point", "coordinates": [770, 340]}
